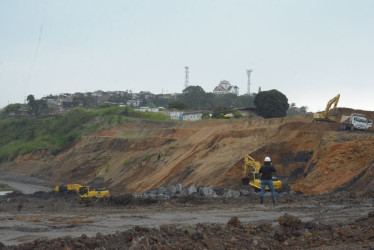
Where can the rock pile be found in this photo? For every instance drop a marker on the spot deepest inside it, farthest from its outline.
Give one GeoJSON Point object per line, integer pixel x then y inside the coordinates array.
{"type": "Point", "coordinates": [166, 193]}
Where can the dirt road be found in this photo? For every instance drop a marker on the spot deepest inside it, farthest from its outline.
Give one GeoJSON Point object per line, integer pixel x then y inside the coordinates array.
{"type": "Point", "coordinates": [23, 183]}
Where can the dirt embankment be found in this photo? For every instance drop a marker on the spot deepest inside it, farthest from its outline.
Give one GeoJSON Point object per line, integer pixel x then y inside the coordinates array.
{"type": "Point", "coordinates": [139, 155]}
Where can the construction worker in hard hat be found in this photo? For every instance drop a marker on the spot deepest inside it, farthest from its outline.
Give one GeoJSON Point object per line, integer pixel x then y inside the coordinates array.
{"type": "Point", "coordinates": [266, 172]}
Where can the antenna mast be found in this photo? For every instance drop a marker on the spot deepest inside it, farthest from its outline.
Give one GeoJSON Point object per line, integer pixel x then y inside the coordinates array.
{"type": "Point", "coordinates": [187, 79]}
{"type": "Point", "coordinates": [249, 71]}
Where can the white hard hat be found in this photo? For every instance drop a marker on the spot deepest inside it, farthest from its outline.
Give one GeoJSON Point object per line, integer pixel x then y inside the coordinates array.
{"type": "Point", "coordinates": [267, 159]}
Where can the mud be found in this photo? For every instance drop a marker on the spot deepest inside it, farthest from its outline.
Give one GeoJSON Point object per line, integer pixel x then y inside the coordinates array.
{"type": "Point", "coordinates": [51, 220]}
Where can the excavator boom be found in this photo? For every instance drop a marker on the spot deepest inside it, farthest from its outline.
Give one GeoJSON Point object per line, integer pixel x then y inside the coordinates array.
{"type": "Point", "coordinates": [325, 115]}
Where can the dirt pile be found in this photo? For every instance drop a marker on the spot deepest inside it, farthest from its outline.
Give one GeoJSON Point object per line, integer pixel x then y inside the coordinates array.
{"type": "Point", "coordinates": [290, 234]}
{"type": "Point", "coordinates": [141, 155]}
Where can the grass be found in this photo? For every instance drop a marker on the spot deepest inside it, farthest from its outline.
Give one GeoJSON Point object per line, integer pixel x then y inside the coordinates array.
{"type": "Point", "coordinates": [107, 168]}
{"type": "Point", "coordinates": [5, 187]}
{"type": "Point", "coordinates": [146, 157]}
{"type": "Point", "coordinates": [126, 163]}
{"type": "Point", "coordinates": [55, 133]}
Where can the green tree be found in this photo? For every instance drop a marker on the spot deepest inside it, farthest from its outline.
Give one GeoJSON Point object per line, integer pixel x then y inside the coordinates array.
{"type": "Point", "coordinates": [36, 106]}
{"type": "Point", "coordinates": [194, 97]}
{"type": "Point", "coordinates": [177, 105]}
{"type": "Point", "coordinates": [304, 109]}
{"type": "Point", "coordinates": [219, 112]}
{"type": "Point", "coordinates": [31, 103]}
{"type": "Point", "coordinates": [228, 101]}
{"type": "Point", "coordinates": [271, 104]}
{"type": "Point", "coordinates": [237, 114]}
{"type": "Point", "coordinates": [88, 101]}
{"type": "Point", "coordinates": [245, 100]}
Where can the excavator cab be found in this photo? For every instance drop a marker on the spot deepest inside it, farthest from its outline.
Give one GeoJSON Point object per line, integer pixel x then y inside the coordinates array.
{"type": "Point", "coordinates": [83, 190]}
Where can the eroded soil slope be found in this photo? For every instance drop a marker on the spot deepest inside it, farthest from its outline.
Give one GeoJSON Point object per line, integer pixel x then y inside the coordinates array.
{"type": "Point", "coordinates": [139, 155]}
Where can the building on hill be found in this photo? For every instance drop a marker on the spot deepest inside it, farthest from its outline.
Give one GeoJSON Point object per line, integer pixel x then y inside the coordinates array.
{"type": "Point", "coordinates": [192, 116]}
{"type": "Point", "coordinates": [225, 87]}
{"type": "Point", "coordinates": [148, 109]}
{"type": "Point", "coordinates": [146, 95]}
{"type": "Point", "coordinates": [133, 103]}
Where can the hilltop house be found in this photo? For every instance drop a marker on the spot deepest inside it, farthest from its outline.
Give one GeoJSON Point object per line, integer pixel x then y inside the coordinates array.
{"type": "Point", "coordinates": [225, 87]}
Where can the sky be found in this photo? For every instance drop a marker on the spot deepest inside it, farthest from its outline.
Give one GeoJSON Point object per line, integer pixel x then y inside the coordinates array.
{"type": "Point", "coordinates": [310, 50]}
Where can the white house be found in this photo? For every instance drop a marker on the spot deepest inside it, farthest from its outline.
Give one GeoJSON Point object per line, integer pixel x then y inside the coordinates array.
{"type": "Point", "coordinates": [192, 116]}
{"type": "Point", "coordinates": [174, 115]}
{"type": "Point", "coordinates": [147, 109]}
{"type": "Point", "coordinates": [133, 103]}
{"type": "Point", "coordinates": [225, 87]}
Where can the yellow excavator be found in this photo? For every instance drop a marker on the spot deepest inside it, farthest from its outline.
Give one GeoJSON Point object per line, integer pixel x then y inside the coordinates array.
{"type": "Point", "coordinates": [326, 115]}
{"type": "Point", "coordinates": [83, 191]}
{"type": "Point", "coordinates": [252, 177]}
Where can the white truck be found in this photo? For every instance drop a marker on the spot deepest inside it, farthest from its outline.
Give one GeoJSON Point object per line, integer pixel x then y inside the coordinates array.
{"type": "Point", "coordinates": [355, 121]}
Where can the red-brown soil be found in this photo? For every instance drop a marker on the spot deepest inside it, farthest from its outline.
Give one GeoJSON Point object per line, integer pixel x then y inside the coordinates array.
{"type": "Point", "coordinates": [333, 169]}
{"type": "Point", "coordinates": [315, 158]}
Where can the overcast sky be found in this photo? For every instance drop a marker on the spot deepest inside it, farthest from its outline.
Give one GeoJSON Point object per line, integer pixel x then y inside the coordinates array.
{"type": "Point", "coordinates": [310, 50]}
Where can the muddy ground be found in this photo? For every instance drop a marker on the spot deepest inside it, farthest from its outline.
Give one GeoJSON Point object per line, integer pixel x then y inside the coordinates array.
{"type": "Point", "coordinates": [47, 220]}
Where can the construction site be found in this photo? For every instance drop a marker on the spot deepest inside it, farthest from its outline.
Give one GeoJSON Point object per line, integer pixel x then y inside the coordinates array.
{"type": "Point", "coordinates": [177, 185]}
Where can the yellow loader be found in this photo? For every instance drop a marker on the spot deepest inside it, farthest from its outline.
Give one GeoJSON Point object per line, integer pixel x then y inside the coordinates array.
{"type": "Point", "coordinates": [83, 191]}
{"type": "Point", "coordinates": [252, 177]}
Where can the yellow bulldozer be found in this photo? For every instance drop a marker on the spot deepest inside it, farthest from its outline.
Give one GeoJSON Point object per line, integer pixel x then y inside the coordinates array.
{"type": "Point", "coordinates": [252, 177]}
{"type": "Point", "coordinates": [83, 191]}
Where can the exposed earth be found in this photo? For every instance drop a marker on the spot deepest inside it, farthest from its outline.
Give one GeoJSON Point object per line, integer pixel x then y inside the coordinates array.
{"type": "Point", "coordinates": [326, 202]}
{"type": "Point", "coordinates": [335, 221]}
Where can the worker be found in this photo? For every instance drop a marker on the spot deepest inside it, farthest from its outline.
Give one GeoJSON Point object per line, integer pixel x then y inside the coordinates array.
{"type": "Point", "coordinates": [266, 172]}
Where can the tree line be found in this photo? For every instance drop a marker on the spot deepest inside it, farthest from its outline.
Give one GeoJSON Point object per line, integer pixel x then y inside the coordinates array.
{"type": "Point", "coordinates": [268, 104]}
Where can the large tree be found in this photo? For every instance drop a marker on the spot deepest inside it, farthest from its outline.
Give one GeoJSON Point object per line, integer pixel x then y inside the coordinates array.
{"type": "Point", "coordinates": [36, 106]}
{"type": "Point", "coordinates": [271, 104]}
{"type": "Point", "coordinates": [194, 97]}
{"type": "Point", "coordinates": [176, 105]}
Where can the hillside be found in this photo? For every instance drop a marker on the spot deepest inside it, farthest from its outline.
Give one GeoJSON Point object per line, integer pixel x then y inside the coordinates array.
{"type": "Point", "coordinates": [140, 154]}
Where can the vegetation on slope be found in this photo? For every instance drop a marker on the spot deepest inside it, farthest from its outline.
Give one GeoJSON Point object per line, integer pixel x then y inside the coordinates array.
{"type": "Point", "coordinates": [59, 131]}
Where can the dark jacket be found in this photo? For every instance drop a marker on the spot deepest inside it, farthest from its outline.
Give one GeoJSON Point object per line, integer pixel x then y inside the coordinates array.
{"type": "Point", "coordinates": [267, 171]}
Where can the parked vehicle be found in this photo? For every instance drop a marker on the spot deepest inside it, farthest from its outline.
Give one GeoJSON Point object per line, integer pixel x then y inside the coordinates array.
{"type": "Point", "coordinates": [355, 121]}
{"type": "Point", "coordinates": [83, 191]}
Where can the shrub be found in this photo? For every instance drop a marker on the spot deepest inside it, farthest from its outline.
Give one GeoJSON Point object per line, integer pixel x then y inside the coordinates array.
{"type": "Point", "coordinates": [126, 163]}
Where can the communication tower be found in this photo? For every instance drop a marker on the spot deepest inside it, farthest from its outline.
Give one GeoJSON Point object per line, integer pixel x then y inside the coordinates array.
{"type": "Point", "coordinates": [249, 71]}
{"type": "Point", "coordinates": [187, 80]}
